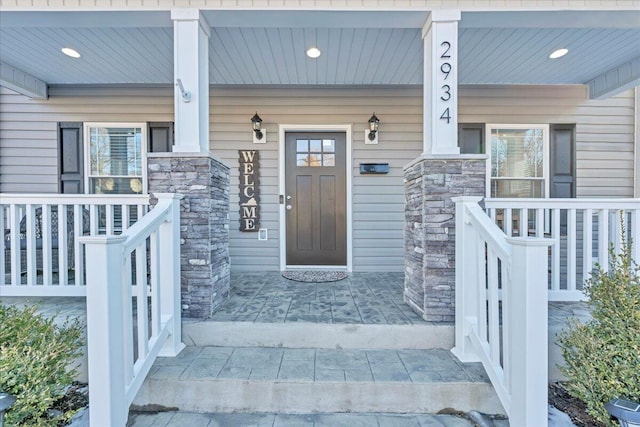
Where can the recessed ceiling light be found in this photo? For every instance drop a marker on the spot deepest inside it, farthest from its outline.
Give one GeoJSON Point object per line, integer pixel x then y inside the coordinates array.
{"type": "Point", "coordinates": [558, 53]}
{"type": "Point", "coordinates": [70, 52]}
{"type": "Point", "coordinates": [313, 52]}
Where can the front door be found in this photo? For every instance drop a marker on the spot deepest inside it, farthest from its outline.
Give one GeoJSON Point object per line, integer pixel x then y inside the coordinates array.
{"type": "Point", "coordinates": [315, 198]}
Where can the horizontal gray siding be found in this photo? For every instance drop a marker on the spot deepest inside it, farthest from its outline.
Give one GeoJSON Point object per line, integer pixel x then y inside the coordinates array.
{"type": "Point", "coordinates": [28, 146]}
{"type": "Point", "coordinates": [605, 135]}
{"type": "Point", "coordinates": [604, 128]}
{"type": "Point", "coordinates": [378, 201]}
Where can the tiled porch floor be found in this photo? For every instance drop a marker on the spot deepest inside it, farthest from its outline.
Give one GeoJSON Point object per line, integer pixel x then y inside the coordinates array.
{"type": "Point", "coordinates": [361, 298]}
{"type": "Point", "coordinates": [365, 298]}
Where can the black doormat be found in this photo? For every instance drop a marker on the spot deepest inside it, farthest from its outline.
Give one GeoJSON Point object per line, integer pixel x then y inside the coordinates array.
{"type": "Point", "coordinates": [315, 276]}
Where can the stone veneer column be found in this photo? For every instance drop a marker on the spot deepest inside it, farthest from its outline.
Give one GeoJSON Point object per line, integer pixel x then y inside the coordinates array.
{"type": "Point", "coordinates": [430, 183]}
{"type": "Point", "coordinates": [204, 225]}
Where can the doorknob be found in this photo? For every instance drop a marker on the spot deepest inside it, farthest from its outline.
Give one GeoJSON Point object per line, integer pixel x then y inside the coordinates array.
{"type": "Point", "coordinates": [288, 197]}
{"type": "Point", "coordinates": [289, 207]}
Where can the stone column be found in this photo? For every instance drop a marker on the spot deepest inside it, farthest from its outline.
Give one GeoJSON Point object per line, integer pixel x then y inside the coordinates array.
{"type": "Point", "coordinates": [204, 225]}
{"type": "Point", "coordinates": [430, 183]}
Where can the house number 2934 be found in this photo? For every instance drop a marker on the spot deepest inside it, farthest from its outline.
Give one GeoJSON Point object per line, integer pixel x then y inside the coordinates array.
{"type": "Point", "coordinates": [445, 71]}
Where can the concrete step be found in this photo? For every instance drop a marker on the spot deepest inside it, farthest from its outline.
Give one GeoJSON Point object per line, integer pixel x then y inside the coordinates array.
{"type": "Point", "coordinates": [302, 381]}
{"type": "Point", "coordinates": [317, 335]}
{"type": "Point", "coordinates": [193, 419]}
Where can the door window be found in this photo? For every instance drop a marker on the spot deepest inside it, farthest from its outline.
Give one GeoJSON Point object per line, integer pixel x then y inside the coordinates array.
{"type": "Point", "coordinates": [315, 152]}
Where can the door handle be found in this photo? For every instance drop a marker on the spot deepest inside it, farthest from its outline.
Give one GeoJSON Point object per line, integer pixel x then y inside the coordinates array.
{"type": "Point", "coordinates": [289, 207]}
{"type": "Point", "coordinates": [288, 197]}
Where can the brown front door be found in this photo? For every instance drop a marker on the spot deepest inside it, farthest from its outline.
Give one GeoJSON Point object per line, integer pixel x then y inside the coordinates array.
{"type": "Point", "coordinates": [315, 198]}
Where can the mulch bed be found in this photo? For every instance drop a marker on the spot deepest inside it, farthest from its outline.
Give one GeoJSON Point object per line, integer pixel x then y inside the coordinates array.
{"type": "Point", "coordinates": [572, 406]}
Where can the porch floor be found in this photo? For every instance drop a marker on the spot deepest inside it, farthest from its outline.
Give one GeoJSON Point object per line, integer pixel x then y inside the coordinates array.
{"type": "Point", "coordinates": [361, 298]}
{"type": "Point", "coordinates": [365, 298]}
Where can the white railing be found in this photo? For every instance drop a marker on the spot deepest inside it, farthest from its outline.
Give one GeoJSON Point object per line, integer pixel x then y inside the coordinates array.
{"type": "Point", "coordinates": [501, 311]}
{"type": "Point", "coordinates": [141, 265]}
{"type": "Point", "coordinates": [40, 254]}
{"type": "Point", "coordinates": [581, 229]}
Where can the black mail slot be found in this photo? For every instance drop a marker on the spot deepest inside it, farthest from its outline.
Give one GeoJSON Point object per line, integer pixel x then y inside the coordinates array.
{"type": "Point", "coordinates": [374, 168]}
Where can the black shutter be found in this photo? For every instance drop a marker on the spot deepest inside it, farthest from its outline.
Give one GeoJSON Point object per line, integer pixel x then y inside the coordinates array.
{"type": "Point", "coordinates": [70, 158]}
{"type": "Point", "coordinates": [471, 138]}
{"type": "Point", "coordinates": [160, 137]}
{"type": "Point", "coordinates": [562, 166]}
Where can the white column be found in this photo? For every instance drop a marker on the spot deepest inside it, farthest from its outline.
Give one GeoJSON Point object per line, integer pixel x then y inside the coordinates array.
{"type": "Point", "coordinates": [191, 67]}
{"type": "Point", "coordinates": [440, 35]}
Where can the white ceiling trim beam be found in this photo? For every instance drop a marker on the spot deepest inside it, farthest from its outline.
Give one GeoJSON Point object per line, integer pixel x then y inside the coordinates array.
{"type": "Point", "coordinates": [615, 80]}
{"type": "Point", "coordinates": [22, 82]}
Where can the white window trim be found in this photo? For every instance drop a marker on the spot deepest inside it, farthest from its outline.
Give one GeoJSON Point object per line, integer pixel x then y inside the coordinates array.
{"type": "Point", "coordinates": [87, 150]}
{"type": "Point", "coordinates": [545, 155]}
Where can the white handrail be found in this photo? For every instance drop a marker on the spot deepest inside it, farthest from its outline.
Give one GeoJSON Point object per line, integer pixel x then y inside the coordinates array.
{"type": "Point", "coordinates": [501, 311]}
{"type": "Point", "coordinates": [73, 199]}
{"type": "Point", "coordinates": [38, 258]}
{"type": "Point", "coordinates": [117, 366]}
{"type": "Point", "coordinates": [581, 203]}
{"type": "Point", "coordinates": [582, 230]}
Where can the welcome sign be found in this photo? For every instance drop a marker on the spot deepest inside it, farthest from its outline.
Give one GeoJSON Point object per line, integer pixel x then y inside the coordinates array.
{"type": "Point", "coordinates": [249, 190]}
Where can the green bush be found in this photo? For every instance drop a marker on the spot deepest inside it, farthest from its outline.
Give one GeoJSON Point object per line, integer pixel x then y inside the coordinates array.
{"type": "Point", "coordinates": [603, 355]}
{"type": "Point", "coordinates": [35, 359]}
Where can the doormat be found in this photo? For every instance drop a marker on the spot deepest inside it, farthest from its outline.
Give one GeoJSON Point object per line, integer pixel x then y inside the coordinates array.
{"type": "Point", "coordinates": [315, 276]}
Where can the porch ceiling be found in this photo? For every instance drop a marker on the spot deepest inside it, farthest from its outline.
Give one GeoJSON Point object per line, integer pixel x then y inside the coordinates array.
{"type": "Point", "coordinates": [359, 48]}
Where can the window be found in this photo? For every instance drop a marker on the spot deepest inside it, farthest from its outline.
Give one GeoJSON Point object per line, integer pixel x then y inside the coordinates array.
{"type": "Point", "coordinates": [115, 160]}
{"type": "Point", "coordinates": [471, 138]}
{"type": "Point", "coordinates": [518, 161]}
{"type": "Point", "coordinates": [315, 152]}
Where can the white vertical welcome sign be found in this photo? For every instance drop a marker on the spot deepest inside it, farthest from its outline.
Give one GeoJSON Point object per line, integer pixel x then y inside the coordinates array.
{"type": "Point", "coordinates": [440, 36]}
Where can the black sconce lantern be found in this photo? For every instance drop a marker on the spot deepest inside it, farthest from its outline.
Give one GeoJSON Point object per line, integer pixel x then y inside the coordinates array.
{"type": "Point", "coordinates": [257, 123]}
{"type": "Point", "coordinates": [374, 122]}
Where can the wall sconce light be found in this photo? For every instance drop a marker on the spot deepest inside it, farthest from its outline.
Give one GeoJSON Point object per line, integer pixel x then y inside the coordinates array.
{"type": "Point", "coordinates": [371, 134]}
{"type": "Point", "coordinates": [258, 136]}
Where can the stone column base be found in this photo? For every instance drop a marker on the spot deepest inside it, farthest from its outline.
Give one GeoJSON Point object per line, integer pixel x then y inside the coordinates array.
{"type": "Point", "coordinates": [204, 225]}
{"type": "Point", "coordinates": [430, 183]}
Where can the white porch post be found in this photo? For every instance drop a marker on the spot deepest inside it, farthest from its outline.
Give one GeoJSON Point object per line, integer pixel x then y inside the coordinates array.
{"type": "Point", "coordinates": [467, 285]}
{"type": "Point", "coordinates": [105, 326]}
{"type": "Point", "coordinates": [440, 114]}
{"type": "Point", "coordinates": [191, 67]}
{"type": "Point", "coordinates": [528, 331]}
{"type": "Point", "coordinates": [169, 276]}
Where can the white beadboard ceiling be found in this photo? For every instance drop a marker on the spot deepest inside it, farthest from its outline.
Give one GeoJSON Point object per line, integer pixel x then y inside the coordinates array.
{"type": "Point", "coordinates": [358, 48]}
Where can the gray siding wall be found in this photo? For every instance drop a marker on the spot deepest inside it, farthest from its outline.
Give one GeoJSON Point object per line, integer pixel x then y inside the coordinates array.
{"type": "Point", "coordinates": [604, 128]}
{"type": "Point", "coordinates": [378, 200]}
{"type": "Point", "coordinates": [28, 145]}
{"type": "Point", "coordinates": [605, 151]}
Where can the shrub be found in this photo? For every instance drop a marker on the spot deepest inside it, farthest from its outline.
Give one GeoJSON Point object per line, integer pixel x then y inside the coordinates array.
{"type": "Point", "coordinates": [603, 355]}
{"type": "Point", "coordinates": [35, 359]}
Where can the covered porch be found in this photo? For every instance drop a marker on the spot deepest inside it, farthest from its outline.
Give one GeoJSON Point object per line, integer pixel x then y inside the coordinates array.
{"type": "Point", "coordinates": [182, 85]}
